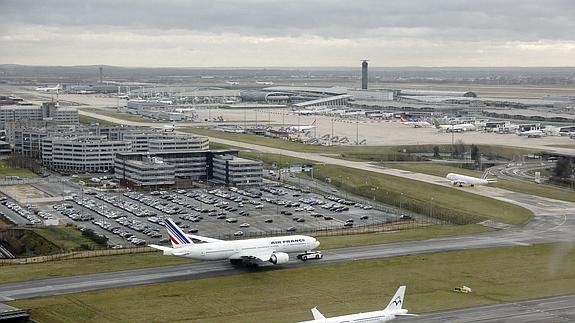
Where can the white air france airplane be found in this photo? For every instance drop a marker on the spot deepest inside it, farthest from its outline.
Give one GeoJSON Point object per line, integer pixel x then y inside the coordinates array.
{"type": "Point", "coordinates": [393, 309]}
{"type": "Point", "coordinates": [460, 180]}
{"type": "Point", "coordinates": [251, 251]}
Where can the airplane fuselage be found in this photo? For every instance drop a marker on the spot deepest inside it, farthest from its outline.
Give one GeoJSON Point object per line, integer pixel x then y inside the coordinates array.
{"type": "Point", "coordinates": [457, 179]}
{"type": "Point", "coordinates": [222, 250]}
{"type": "Point", "coordinates": [368, 317]}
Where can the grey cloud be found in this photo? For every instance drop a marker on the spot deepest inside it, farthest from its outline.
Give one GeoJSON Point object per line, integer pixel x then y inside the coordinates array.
{"type": "Point", "coordinates": [475, 20]}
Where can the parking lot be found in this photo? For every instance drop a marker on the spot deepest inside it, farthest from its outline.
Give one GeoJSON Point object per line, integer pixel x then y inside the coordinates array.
{"type": "Point", "coordinates": [136, 218]}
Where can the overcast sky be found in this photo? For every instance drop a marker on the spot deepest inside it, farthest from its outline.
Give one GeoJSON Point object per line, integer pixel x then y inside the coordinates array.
{"type": "Point", "coordinates": [260, 33]}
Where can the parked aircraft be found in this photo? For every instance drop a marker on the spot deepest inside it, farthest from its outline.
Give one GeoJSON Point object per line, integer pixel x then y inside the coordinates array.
{"type": "Point", "coordinates": [251, 251]}
{"type": "Point", "coordinates": [49, 89]}
{"type": "Point", "coordinates": [462, 127]}
{"type": "Point", "coordinates": [531, 133]}
{"type": "Point", "coordinates": [233, 83]}
{"type": "Point", "coordinates": [458, 179]}
{"type": "Point", "coordinates": [416, 124]}
{"type": "Point", "coordinates": [301, 128]}
{"type": "Point", "coordinates": [393, 309]}
{"type": "Point", "coordinates": [264, 83]}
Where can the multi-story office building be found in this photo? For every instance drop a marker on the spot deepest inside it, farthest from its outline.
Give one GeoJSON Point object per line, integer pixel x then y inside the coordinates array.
{"type": "Point", "coordinates": [220, 165]}
{"type": "Point", "coordinates": [39, 143]}
{"type": "Point", "coordinates": [148, 172]}
{"type": "Point", "coordinates": [178, 142]}
{"type": "Point", "coordinates": [235, 171]}
{"type": "Point", "coordinates": [11, 113]}
{"type": "Point", "coordinates": [49, 112]}
{"type": "Point", "coordinates": [88, 154]}
{"type": "Point", "coordinates": [5, 148]}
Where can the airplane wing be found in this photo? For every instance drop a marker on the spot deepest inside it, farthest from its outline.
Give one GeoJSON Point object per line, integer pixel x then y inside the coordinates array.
{"type": "Point", "coordinates": [170, 251]}
{"type": "Point", "coordinates": [263, 255]}
{"type": "Point", "coordinates": [159, 247]}
{"type": "Point", "coordinates": [203, 239]}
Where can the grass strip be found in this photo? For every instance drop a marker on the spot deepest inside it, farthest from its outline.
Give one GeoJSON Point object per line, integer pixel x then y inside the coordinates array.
{"type": "Point", "coordinates": [495, 275]}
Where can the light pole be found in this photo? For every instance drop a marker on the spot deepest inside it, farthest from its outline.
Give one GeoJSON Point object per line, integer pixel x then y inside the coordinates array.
{"type": "Point", "coordinates": [207, 188]}
{"type": "Point", "coordinates": [400, 204]}
{"type": "Point", "coordinates": [331, 129]}
{"type": "Point", "coordinates": [357, 129]}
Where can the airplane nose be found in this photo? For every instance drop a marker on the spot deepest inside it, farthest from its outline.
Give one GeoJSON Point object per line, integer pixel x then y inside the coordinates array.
{"type": "Point", "coordinates": [316, 244]}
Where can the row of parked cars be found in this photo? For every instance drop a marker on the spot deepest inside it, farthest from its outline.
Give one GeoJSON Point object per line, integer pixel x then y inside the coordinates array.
{"type": "Point", "coordinates": [107, 212]}
{"type": "Point", "coordinates": [30, 216]}
{"type": "Point", "coordinates": [71, 212]}
{"type": "Point", "coordinates": [117, 230]}
{"type": "Point", "coordinates": [125, 205]}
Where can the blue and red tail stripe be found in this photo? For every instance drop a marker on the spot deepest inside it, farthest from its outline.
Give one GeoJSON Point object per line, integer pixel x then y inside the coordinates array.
{"type": "Point", "coordinates": [177, 236]}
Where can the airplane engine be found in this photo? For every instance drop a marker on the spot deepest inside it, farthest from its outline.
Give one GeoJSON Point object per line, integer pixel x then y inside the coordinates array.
{"type": "Point", "coordinates": [279, 258]}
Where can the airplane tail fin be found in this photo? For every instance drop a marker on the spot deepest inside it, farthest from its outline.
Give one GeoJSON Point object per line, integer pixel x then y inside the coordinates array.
{"type": "Point", "coordinates": [436, 123]}
{"type": "Point", "coordinates": [401, 119]}
{"type": "Point", "coordinates": [397, 301]}
{"type": "Point", "coordinates": [484, 176]}
{"type": "Point", "coordinates": [177, 237]}
{"type": "Point", "coordinates": [317, 314]}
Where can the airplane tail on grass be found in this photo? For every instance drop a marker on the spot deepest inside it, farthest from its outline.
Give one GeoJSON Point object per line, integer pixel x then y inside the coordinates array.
{"type": "Point", "coordinates": [484, 176]}
{"type": "Point", "coordinates": [396, 302]}
{"type": "Point", "coordinates": [317, 314]}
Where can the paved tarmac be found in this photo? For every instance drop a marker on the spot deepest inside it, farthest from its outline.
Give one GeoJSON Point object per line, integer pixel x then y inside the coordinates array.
{"type": "Point", "coordinates": [553, 309]}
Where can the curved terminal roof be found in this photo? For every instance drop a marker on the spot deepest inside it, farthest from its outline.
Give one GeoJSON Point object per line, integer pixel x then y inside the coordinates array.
{"type": "Point", "coordinates": [306, 89]}
{"type": "Point", "coordinates": [464, 94]}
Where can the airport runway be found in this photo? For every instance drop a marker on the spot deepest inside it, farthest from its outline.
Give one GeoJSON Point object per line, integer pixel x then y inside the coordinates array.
{"type": "Point", "coordinates": [553, 309]}
{"type": "Point", "coordinates": [539, 230]}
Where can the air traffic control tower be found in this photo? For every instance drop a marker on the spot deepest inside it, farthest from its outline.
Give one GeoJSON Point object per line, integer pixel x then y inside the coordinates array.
{"type": "Point", "coordinates": [364, 74]}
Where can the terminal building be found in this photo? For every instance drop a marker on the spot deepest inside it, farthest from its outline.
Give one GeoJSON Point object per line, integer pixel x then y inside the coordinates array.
{"type": "Point", "coordinates": [182, 168]}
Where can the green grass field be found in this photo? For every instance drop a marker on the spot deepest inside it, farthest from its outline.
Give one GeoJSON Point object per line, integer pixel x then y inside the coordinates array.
{"type": "Point", "coordinates": [422, 233]}
{"type": "Point", "coordinates": [6, 170]}
{"type": "Point", "coordinates": [563, 146]}
{"type": "Point", "coordinates": [140, 260]}
{"type": "Point", "coordinates": [89, 120]}
{"type": "Point", "coordinates": [446, 203]}
{"type": "Point", "coordinates": [512, 185]}
{"type": "Point", "coordinates": [121, 115]}
{"type": "Point", "coordinates": [61, 268]}
{"type": "Point", "coordinates": [495, 275]}
{"type": "Point", "coordinates": [274, 159]}
{"type": "Point", "coordinates": [67, 238]}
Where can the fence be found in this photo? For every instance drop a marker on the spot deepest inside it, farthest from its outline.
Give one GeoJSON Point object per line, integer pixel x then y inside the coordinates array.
{"type": "Point", "coordinates": [75, 255]}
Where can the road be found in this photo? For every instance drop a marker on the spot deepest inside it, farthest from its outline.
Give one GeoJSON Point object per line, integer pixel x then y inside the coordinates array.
{"type": "Point", "coordinates": [553, 309]}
